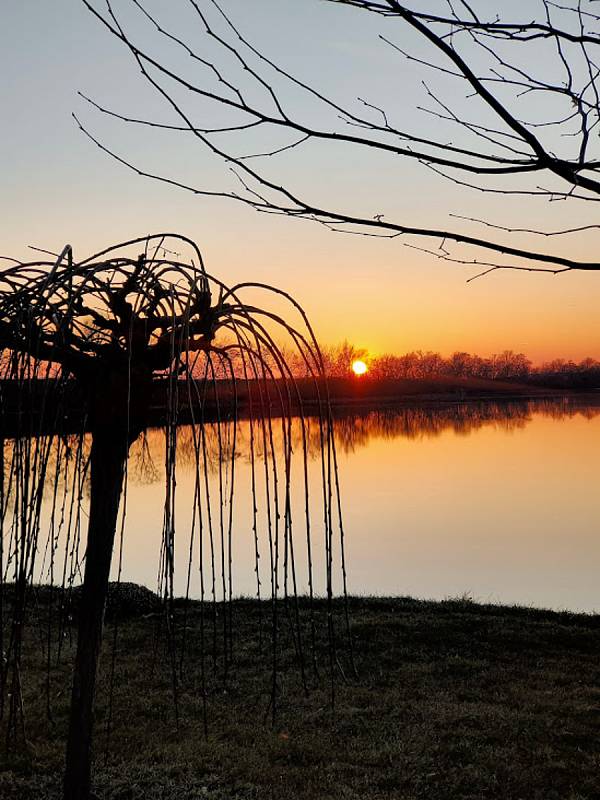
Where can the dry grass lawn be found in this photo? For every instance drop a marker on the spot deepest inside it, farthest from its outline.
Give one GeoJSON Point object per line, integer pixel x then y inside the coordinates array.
{"type": "Point", "coordinates": [452, 701]}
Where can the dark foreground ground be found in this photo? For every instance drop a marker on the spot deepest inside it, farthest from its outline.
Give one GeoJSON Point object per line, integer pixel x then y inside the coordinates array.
{"type": "Point", "coordinates": [452, 700]}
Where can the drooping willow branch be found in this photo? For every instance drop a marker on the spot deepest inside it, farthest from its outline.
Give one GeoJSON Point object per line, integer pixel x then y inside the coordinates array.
{"type": "Point", "coordinates": [92, 353]}
{"type": "Point", "coordinates": [500, 149]}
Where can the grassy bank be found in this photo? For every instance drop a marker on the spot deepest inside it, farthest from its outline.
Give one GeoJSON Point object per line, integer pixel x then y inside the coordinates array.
{"type": "Point", "coordinates": [452, 700]}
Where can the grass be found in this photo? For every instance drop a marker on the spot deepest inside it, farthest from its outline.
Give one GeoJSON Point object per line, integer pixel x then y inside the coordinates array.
{"type": "Point", "coordinates": [453, 700]}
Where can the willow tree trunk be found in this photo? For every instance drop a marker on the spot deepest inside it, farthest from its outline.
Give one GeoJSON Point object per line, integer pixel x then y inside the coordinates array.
{"type": "Point", "coordinates": [107, 463]}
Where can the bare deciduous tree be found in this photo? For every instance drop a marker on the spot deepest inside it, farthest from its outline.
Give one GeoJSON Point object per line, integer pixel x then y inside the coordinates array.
{"type": "Point", "coordinates": [99, 335]}
{"type": "Point", "coordinates": [527, 120]}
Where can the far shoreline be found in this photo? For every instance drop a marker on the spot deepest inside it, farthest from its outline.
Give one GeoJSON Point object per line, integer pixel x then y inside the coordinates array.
{"type": "Point", "coordinates": [303, 397]}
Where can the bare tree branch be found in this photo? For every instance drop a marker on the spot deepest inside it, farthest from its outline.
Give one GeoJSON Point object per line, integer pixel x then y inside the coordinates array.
{"type": "Point", "coordinates": [486, 56]}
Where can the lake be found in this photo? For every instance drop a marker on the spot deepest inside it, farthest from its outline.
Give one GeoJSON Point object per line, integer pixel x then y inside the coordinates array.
{"type": "Point", "coordinates": [498, 502]}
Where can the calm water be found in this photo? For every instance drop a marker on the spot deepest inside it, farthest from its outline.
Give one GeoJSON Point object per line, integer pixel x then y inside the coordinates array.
{"type": "Point", "coordinates": [499, 502]}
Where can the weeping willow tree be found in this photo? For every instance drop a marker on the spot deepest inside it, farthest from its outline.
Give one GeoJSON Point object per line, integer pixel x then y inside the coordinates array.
{"type": "Point", "coordinates": [89, 350]}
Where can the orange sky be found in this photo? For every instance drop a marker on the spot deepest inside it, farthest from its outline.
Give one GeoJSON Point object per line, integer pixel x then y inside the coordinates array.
{"type": "Point", "coordinates": [378, 294]}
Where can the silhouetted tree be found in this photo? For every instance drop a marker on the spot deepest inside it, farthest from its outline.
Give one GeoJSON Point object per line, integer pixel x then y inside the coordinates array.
{"type": "Point", "coordinates": [338, 359]}
{"type": "Point", "coordinates": [101, 334]}
{"type": "Point", "coordinates": [508, 366]}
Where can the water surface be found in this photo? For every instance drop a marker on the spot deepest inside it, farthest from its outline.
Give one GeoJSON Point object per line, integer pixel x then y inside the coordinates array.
{"type": "Point", "coordinates": [494, 501]}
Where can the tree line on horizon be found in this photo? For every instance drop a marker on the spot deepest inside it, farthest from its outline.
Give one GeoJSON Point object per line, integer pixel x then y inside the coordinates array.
{"type": "Point", "coordinates": [507, 365]}
{"type": "Point", "coordinates": [419, 364]}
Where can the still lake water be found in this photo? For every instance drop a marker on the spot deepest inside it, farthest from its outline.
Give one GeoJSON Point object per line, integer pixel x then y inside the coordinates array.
{"type": "Point", "coordinates": [497, 501]}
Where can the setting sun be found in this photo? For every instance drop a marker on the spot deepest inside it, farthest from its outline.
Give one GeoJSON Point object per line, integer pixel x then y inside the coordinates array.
{"type": "Point", "coordinates": [359, 367]}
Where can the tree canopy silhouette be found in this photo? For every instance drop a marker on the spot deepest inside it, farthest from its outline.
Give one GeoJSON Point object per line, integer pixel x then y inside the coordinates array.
{"type": "Point", "coordinates": [100, 335]}
{"type": "Point", "coordinates": [516, 114]}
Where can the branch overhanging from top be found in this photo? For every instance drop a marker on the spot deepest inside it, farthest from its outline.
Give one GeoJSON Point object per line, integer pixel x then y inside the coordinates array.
{"type": "Point", "coordinates": [500, 153]}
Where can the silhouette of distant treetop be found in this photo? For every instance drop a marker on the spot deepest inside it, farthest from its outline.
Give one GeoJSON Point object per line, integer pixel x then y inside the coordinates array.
{"type": "Point", "coordinates": [416, 364]}
{"type": "Point", "coordinates": [522, 92]}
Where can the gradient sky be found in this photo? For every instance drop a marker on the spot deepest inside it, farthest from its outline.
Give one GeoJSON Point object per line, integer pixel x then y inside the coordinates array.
{"type": "Point", "coordinates": [58, 187]}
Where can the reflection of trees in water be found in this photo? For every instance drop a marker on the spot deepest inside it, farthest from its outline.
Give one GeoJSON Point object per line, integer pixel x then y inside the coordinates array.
{"type": "Point", "coordinates": [231, 441]}
{"type": "Point", "coordinates": [142, 461]}
{"type": "Point", "coordinates": [54, 456]}
{"type": "Point", "coordinates": [148, 453]}
{"type": "Point", "coordinates": [65, 492]}
{"type": "Point", "coordinates": [44, 491]}
{"type": "Point", "coordinates": [352, 430]}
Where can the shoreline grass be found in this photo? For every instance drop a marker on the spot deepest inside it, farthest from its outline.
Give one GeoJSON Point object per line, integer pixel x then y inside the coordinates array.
{"type": "Point", "coordinates": [453, 699]}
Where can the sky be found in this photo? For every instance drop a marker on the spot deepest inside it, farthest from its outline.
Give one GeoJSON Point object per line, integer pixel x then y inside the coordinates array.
{"type": "Point", "coordinates": [377, 293]}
